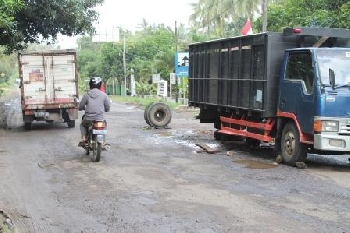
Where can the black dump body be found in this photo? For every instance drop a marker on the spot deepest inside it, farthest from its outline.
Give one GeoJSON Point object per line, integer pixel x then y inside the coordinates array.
{"type": "Point", "coordinates": [243, 73]}
{"type": "Point", "coordinates": [237, 73]}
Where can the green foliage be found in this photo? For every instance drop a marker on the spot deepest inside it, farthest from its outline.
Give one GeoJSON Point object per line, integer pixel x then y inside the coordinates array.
{"type": "Point", "coordinates": [152, 51]}
{"type": "Point", "coordinates": [4, 228]}
{"type": "Point", "coordinates": [44, 20]}
{"type": "Point", "coordinates": [142, 102]}
{"type": "Point", "coordinates": [8, 9]}
{"type": "Point", "coordinates": [145, 89]}
{"type": "Point", "coordinates": [149, 51]}
{"type": "Point", "coordinates": [8, 68]}
{"type": "Point", "coordinates": [307, 13]}
{"type": "Point", "coordinates": [216, 17]}
{"type": "Point", "coordinates": [183, 87]}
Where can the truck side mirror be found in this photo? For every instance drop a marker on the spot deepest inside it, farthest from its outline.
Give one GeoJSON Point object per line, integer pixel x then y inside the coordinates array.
{"type": "Point", "coordinates": [332, 78]}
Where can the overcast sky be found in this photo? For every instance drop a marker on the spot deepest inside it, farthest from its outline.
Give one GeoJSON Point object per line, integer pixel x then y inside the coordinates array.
{"type": "Point", "coordinates": [129, 14]}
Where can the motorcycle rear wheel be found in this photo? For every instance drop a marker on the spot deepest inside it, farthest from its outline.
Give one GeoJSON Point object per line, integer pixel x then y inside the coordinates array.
{"type": "Point", "coordinates": [96, 152]}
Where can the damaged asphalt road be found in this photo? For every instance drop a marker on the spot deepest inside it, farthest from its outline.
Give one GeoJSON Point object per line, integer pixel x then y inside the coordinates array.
{"type": "Point", "coordinates": [159, 180]}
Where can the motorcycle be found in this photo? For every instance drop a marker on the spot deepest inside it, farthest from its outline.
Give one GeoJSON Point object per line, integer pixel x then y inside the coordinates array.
{"type": "Point", "coordinates": [95, 139]}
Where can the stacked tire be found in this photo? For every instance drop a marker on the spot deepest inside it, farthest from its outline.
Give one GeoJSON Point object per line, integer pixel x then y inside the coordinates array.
{"type": "Point", "coordinates": [158, 115]}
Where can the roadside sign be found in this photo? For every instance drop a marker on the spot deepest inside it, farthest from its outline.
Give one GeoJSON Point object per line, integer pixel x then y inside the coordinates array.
{"type": "Point", "coordinates": [155, 78]}
{"type": "Point", "coordinates": [181, 64]}
{"type": "Point", "coordinates": [172, 78]}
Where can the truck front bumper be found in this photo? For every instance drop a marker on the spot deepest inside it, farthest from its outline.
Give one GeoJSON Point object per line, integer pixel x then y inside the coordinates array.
{"type": "Point", "coordinates": [332, 142]}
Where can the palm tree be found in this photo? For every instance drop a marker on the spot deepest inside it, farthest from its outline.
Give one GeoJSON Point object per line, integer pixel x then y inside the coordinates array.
{"type": "Point", "coordinates": [213, 16]}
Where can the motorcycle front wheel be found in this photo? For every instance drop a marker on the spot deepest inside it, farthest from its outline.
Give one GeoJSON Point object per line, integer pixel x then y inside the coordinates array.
{"type": "Point", "coordinates": [96, 153]}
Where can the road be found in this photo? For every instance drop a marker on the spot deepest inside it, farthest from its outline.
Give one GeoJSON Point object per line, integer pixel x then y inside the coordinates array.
{"type": "Point", "coordinates": [158, 180]}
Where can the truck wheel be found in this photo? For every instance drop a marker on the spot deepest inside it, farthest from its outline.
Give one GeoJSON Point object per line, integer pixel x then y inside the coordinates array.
{"type": "Point", "coordinates": [292, 150]}
{"type": "Point", "coordinates": [159, 114]}
{"type": "Point", "coordinates": [28, 125]}
{"type": "Point", "coordinates": [71, 123]}
{"type": "Point", "coordinates": [217, 135]}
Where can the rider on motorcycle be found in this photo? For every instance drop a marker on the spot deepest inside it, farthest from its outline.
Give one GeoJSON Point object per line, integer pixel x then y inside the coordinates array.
{"type": "Point", "coordinates": [95, 102]}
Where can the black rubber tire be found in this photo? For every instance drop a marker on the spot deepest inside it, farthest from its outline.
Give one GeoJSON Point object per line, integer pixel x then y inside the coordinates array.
{"type": "Point", "coordinates": [71, 123]}
{"type": "Point", "coordinates": [146, 117]}
{"type": "Point", "coordinates": [49, 121]}
{"type": "Point", "coordinates": [292, 150]}
{"type": "Point", "coordinates": [28, 125]}
{"type": "Point", "coordinates": [96, 152]}
{"type": "Point", "coordinates": [217, 135]}
{"type": "Point", "coordinates": [159, 115]}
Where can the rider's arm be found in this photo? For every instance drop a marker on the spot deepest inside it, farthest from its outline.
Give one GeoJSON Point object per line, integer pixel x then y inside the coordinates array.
{"type": "Point", "coordinates": [106, 104]}
{"type": "Point", "coordinates": [83, 102]}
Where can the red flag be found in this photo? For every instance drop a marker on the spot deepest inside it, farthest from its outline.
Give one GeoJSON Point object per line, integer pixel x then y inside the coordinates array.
{"type": "Point", "coordinates": [247, 28]}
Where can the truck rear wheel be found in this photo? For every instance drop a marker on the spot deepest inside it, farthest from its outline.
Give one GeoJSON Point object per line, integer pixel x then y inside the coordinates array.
{"type": "Point", "coordinates": [292, 149]}
{"type": "Point", "coordinates": [71, 123]}
{"type": "Point", "coordinates": [96, 152]}
{"type": "Point", "coordinates": [28, 125]}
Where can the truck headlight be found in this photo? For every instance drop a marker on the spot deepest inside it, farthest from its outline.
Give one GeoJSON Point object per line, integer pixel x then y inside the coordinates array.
{"type": "Point", "coordinates": [326, 126]}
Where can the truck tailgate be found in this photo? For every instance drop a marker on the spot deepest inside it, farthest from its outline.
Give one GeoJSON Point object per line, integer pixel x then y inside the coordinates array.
{"type": "Point", "coordinates": [48, 80]}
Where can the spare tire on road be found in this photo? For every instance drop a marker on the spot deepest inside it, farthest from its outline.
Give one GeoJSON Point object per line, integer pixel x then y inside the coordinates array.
{"type": "Point", "coordinates": [145, 115]}
{"type": "Point", "coordinates": [158, 115]}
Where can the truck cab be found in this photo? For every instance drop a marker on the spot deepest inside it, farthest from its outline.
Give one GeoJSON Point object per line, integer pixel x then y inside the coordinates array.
{"type": "Point", "coordinates": [315, 88]}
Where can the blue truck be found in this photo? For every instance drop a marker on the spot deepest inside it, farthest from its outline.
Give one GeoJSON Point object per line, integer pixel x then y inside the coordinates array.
{"type": "Point", "coordinates": [291, 89]}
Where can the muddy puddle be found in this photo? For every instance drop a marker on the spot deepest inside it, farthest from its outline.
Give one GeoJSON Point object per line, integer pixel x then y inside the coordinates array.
{"type": "Point", "coordinates": [254, 164]}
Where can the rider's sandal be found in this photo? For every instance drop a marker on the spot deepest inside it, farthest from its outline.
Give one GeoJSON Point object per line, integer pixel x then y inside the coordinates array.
{"type": "Point", "coordinates": [105, 146]}
{"type": "Point", "coordinates": [81, 144]}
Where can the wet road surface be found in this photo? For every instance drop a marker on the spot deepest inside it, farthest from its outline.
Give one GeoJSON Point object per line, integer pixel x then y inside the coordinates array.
{"type": "Point", "coordinates": [158, 180]}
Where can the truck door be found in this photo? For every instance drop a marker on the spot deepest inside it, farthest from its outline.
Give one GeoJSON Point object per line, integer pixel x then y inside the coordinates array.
{"type": "Point", "coordinates": [297, 89]}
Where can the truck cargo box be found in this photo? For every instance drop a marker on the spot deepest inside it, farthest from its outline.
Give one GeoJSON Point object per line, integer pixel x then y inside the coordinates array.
{"type": "Point", "coordinates": [238, 73]}
{"type": "Point", "coordinates": [49, 86]}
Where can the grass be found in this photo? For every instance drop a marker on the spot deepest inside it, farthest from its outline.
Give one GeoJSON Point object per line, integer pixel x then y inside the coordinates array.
{"type": "Point", "coordinates": [6, 229]}
{"type": "Point", "coordinates": [143, 102]}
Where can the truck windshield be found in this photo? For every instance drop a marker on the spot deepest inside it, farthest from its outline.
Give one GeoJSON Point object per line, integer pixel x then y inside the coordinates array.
{"type": "Point", "coordinates": [336, 59]}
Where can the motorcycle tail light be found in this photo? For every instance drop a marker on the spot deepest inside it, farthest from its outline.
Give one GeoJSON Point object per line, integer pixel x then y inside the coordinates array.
{"type": "Point", "coordinates": [99, 125]}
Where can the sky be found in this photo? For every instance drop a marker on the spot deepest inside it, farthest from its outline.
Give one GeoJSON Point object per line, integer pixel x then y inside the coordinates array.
{"type": "Point", "coordinates": [129, 14]}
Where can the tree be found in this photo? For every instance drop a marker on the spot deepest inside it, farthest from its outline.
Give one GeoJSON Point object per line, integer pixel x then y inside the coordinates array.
{"type": "Point", "coordinates": [307, 13]}
{"type": "Point", "coordinates": [8, 9]}
{"type": "Point", "coordinates": [214, 16]}
{"type": "Point", "coordinates": [8, 71]}
{"type": "Point", "coordinates": [43, 20]}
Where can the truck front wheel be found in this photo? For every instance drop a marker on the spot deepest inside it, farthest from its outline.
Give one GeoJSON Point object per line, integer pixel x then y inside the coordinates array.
{"type": "Point", "coordinates": [292, 149]}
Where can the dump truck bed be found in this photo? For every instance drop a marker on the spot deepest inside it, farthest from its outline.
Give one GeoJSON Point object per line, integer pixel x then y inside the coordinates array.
{"type": "Point", "coordinates": [238, 73]}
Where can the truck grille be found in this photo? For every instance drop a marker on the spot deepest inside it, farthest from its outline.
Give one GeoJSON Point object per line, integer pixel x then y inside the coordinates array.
{"type": "Point", "coordinates": [344, 128]}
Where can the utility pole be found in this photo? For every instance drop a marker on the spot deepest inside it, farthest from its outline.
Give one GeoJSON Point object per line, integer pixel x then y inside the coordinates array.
{"type": "Point", "coordinates": [264, 15]}
{"type": "Point", "coordinates": [124, 64]}
{"type": "Point", "coordinates": [176, 81]}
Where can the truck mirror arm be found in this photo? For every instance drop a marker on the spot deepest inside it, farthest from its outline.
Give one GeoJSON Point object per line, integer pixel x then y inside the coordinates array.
{"type": "Point", "coordinates": [332, 78]}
